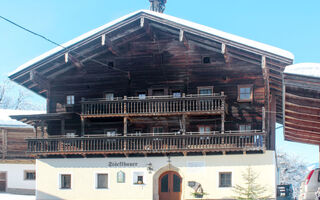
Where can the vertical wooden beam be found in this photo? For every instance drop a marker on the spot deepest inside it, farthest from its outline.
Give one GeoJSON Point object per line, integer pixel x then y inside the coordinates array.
{"type": "Point", "coordinates": [66, 57]}
{"type": "Point", "coordinates": [103, 39]}
{"type": "Point", "coordinates": [82, 126]}
{"type": "Point", "coordinates": [4, 143]}
{"type": "Point", "coordinates": [283, 104]}
{"type": "Point", "coordinates": [184, 124]}
{"type": "Point", "coordinates": [181, 35]}
{"type": "Point", "coordinates": [42, 128]}
{"type": "Point", "coordinates": [223, 48]}
{"type": "Point", "coordinates": [125, 126]}
{"type": "Point", "coordinates": [222, 114]}
{"type": "Point", "coordinates": [263, 119]}
{"type": "Point", "coordinates": [142, 22]}
{"type": "Point", "coordinates": [36, 130]}
{"type": "Point", "coordinates": [63, 126]}
{"type": "Point", "coordinates": [265, 74]}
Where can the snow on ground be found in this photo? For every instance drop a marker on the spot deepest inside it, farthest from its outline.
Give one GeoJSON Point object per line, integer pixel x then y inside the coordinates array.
{"type": "Point", "coordinates": [7, 196]}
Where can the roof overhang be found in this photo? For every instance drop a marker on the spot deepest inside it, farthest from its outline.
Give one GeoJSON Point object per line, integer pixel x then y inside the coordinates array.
{"type": "Point", "coordinates": [302, 108]}
{"type": "Point", "coordinates": [37, 73]}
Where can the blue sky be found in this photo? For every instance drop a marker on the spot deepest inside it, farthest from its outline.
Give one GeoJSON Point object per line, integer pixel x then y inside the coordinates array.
{"type": "Point", "coordinates": [293, 25]}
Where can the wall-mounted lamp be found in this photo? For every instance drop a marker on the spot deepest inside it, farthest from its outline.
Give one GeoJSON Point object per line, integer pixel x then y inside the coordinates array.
{"type": "Point", "coordinates": [149, 167]}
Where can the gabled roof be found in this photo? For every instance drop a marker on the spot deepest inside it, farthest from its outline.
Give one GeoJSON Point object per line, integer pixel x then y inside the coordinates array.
{"type": "Point", "coordinates": [191, 26]}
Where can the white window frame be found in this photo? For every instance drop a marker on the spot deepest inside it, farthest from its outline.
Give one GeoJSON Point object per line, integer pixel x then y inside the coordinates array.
{"type": "Point", "coordinates": [232, 178]}
{"type": "Point", "coordinates": [29, 171]}
{"type": "Point", "coordinates": [251, 93]}
{"type": "Point", "coordinates": [105, 132]}
{"type": "Point", "coordinates": [135, 175]}
{"type": "Point", "coordinates": [204, 88]}
{"type": "Point", "coordinates": [245, 128]}
{"type": "Point", "coordinates": [111, 98]}
{"type": "Point", "coordinates": [70, 99]}
{"type": "Point", "coordinates": [59, 180]}
{"type": "Point", "coordinates": [205, 127]}
{"type": "Point", "coordinates": [96, 180]}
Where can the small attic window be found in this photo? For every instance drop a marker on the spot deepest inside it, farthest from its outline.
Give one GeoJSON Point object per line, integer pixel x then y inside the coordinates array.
{"type": "Point", "coordinates": [111, 64]}
{"type": "Point", "coordinates": [206, 60]}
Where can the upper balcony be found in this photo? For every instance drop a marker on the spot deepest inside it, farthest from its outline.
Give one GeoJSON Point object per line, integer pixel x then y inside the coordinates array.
{"type": "Point", "coordinates": [192, 104]}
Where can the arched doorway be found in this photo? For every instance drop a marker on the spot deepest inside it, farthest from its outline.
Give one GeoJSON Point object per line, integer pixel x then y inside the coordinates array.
{"type": "Point", "coordinates": [170, 186]}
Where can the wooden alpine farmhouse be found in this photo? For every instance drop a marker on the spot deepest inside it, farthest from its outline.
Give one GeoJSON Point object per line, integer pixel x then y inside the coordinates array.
{"type": "Point", "coordinates": [156, 106]}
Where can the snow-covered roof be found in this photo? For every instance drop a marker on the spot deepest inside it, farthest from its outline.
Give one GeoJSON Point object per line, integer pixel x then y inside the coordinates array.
{"type": "Point", "coordinates": [6, 121]}
{"type": "Point", "coordinates": [306, 69]}
{"type": "Point", "coordinates": [206, 29]}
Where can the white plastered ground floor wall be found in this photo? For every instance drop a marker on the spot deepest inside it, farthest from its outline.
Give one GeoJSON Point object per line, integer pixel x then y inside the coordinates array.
{"type": "Point", "coordinates": [202, 169]}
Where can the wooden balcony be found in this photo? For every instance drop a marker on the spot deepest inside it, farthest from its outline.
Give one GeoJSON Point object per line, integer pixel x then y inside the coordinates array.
{"type": "Point", "coordinates": [149, 144]}
{"type": "Point", "coordinates": [154, 105]}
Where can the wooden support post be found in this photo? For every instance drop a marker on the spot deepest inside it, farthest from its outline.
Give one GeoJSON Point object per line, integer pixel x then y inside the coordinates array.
{"type": "Point", "coordinates": [222, 114]}
{"type": "Point", "coordinates": [103, 39]}
{"type": "Point", "coordinates": [263, 119]}
{"type": "Point", "coordinates": [184, 124]}
{"type": "Point", "coordinates": [42, 128]}
{"type": "Point", "coordinates": [36, 130]}
{"type": "Point", "coordinates": [181, 37]}
{"type": "Point", "coordinates": [63, 126]}
{"type": "Point", "coordinates": [142, 22]}
{"type": "Point", "coordinates": [4, 143]}
{"type": "Point", "coordinates": [82, 126]}
{"type": "Point", "coordinates": [125, 126]}
{"type": "Point", "coordinates": [66, 57]}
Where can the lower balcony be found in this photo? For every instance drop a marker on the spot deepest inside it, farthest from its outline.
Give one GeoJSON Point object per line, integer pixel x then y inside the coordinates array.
{"type": "Point", "coordinates": [149, 144]}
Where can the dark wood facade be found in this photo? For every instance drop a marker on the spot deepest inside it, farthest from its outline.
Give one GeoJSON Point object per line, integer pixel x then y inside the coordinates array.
{"type": "Point", "coordinates": [150, 85]}
{"type": "Point", "coordinates": [13, 144]}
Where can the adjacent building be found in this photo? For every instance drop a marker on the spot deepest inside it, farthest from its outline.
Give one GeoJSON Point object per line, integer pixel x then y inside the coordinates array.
{"type": "Point", "coordinates": [151, 106]}
{"type": "Point", "coordinates": [17, 169]}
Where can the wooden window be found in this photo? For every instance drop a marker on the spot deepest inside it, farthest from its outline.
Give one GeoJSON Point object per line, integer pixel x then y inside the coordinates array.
{"type": "Point", "coordinates": [176, 94]}
{"type": "Point", "coordinates": [225, 179]}
{"type": "Point", "coordinates": [109, 96]}
{"type": "Point", "coordinates": [157, 129]}
{"type": "Point", "coordinates": [204, 129]}
{"type": "Point", "coordinates": [110, 132]}
{"type": "Point", "coordinates": [158, 92]}
{"type": "Point", "coordinates": [70, 133]}
{"type": "Point", "coordinates": [142, 95]}
{"type": "Point", "coordinates": [29, 175]}
{"type": "Point", "coordinates": [102, 181]}
{"type": "Point", "coordinates": [65, 181]}
{"type": "Point", "coordinates": [137, 132]}
{"type": "Point", "coordinates": [70, 99]}
{"type": "Point", "coordinates": [245, 93]}
{"type": "Point", "coordinates": [208, 90]}
{"type": "Point", "coordinates": [244, 127]}
{"type": "Point", "coordinates": [206, 60]}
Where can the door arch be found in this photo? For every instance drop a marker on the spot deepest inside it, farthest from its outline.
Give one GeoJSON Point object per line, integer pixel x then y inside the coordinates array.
{"type": "Point", "coordinates": [170, 186]}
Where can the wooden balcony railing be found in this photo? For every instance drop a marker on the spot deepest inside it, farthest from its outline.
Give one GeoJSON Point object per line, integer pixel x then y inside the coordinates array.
{"type": "Point", "coordinates": [149, 144]}
{"type": "Point", "coordinates": [154, 105]}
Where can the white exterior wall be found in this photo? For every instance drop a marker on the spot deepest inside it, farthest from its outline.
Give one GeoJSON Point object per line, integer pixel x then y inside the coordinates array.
{"type": "Point", "coordinates": [15, 176]}
{"type": "Point", "coordinates": [205, 171]}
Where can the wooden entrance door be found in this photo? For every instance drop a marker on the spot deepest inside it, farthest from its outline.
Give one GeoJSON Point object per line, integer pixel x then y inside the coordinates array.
{"type": "Point", "coordinates": [170, 186]}
{"type": "Point", "coordinates": [3, 181]}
